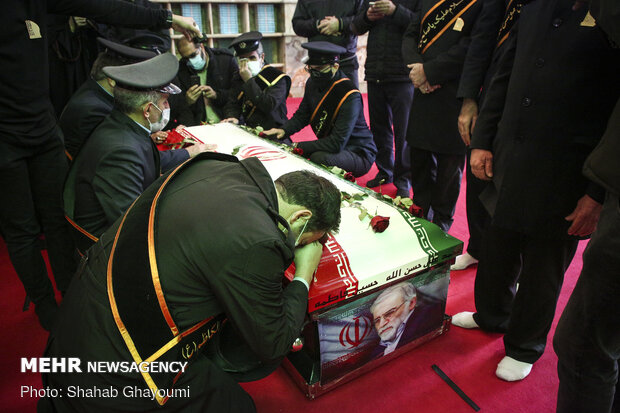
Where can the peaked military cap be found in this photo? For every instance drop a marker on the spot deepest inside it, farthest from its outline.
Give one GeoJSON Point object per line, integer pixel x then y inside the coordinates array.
{"type": "Point", "coordinates": [153, 74]}
{"type": "Point", "coordinates": [246, 43]}
{"type": "Point", "coordinates": [125, 53]}
{"type": "Point", "coordinates": [321, 53]}
{"type": "Point", "coordinates": [149, 41]}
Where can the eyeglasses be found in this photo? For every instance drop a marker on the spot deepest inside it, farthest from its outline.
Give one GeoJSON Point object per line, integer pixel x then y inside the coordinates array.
{"type": "Point", "coordinates": [388, 314]}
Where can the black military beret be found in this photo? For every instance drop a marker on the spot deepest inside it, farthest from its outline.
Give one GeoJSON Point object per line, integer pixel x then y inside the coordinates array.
{"type": "Point", "coordinates": [126, 53]}
{"type": "Point", "coordinates": [153, 74]}
{"type": "Point", "coordinates": [321, 53]}
{"type": "Point", "coordinates": [246, 43]}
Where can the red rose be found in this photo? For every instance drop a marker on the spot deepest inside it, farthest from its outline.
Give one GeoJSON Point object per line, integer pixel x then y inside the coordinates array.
{"type": "Point", "coordinates": [298, 151]}
{"type": "Point", "coordinates": [379, 223]}
{"type": "Point", "coordinates": [416, 211]}
{"type": "Point", "coordinates": [349, 177]}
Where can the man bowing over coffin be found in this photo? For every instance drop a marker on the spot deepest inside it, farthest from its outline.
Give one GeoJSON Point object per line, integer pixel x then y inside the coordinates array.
{"type": "Point", "coordinates": [192, 274]}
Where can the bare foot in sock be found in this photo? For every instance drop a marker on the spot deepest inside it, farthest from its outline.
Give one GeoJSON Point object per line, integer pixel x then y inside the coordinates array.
{"type": "Point", "coordinates": [464, 320]}
{"type": "Point", "coordinates": [510, 369]}
{"type": "Point", "coordinates": [463, 261]}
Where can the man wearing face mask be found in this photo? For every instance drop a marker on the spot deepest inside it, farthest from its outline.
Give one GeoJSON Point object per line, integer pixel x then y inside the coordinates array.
{"type": "Point", "coordinates": [205, 77]}
{"type": "Point", "coordinates": [333, 108]}
{"type": "Point", "coordinates": [120, 160]}
{"type": "Point", "coordinates": [207, 296]}
{"type": "Point", "coordinates": [260, 99]}
{"type": "Point", "coordinates": [92, 102]}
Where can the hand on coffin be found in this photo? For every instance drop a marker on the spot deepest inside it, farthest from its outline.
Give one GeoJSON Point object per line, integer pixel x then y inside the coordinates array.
{"type": "Point", "coordinates": [199, 148]}
{"type": "Point", "coordinates": [275, 132]}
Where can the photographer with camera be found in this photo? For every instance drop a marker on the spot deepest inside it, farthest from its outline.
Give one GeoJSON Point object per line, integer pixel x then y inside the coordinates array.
{"type": "Point", "coordinates": [206, 78]}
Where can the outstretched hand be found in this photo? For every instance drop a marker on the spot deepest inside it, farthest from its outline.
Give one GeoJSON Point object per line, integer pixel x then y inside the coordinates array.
{"type": "Point", "coordinates": [185, 25]}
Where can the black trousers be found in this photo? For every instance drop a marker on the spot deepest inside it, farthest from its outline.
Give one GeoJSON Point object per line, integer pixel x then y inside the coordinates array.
{"type": "Point", "coordinates": [436, 182]}
{"type": "Point", "coordinates": [31, 181]}
{"type": "Point", "coordinates": [587, 339]}
{"type": "Point", "coordinates": [477, 216]}
{"type": "Point", "coordinates": [350, 68]}
{"type": "Point", "coordinates": [389, 105]}
{"type": "Point", "coordinates": [347, 160]}
{"type": "Point", "coordinates": [524, 315]}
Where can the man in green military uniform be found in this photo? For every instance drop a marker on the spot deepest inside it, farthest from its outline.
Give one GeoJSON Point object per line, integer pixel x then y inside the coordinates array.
{"type": "Point", "coordinates": [206, 243]}
{"type": "Point", "coordinates": [260, 96]}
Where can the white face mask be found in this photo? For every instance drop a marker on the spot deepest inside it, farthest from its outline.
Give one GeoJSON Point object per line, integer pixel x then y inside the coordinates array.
{"type": "Point", "coordinates": [165, 117]}
{"type": "Point", "coordinates": [197, 62]}
{"type": "Point", "coordinates": [255, 67]}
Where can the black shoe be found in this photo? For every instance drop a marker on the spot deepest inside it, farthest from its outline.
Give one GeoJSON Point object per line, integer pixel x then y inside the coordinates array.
{"type": "Point", "coordinates": [378, 180]}
{"type": "Point", "coordinates": [46, 310]}
{"type": "Point", "coordinates": [403, 193]}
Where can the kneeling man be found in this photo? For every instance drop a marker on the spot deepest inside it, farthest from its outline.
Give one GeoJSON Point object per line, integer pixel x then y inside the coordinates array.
{"type": "Point", "coordinates": [333, 107]}
{"type": "Point", "coordinates": [193, 273]}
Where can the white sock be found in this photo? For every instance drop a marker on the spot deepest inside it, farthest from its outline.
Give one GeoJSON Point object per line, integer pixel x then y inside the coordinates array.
{"type": "Point", "coordinates": [510, 369]}
{"type": "Point", "coordinates": [464, 320]}
{"type": "Point", "coordinates": [463, 261]}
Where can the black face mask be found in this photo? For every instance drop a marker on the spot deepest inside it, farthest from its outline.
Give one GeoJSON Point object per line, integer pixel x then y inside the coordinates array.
{"type": "Point", "coordinates": [318, 75]}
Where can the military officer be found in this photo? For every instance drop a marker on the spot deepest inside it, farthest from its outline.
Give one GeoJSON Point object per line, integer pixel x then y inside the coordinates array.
{"type": "Point", "coordinates": [94, 100]}
{"type": "Point", "coordinates": [260, 98]}
{"type": "Point", "coordinates": [333, 108]}
{"type": "Point", "coordinates": [120, 160]}
{"type": "Point", "coordinates": [172, 306]}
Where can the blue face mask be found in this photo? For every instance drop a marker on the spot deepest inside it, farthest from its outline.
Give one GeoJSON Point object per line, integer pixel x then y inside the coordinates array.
{"type": "Point", "coordinates": [197, 62]}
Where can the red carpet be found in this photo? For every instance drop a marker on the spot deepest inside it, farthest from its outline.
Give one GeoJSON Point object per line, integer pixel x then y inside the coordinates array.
{"type": "Point", "coordinates": [407, 384]}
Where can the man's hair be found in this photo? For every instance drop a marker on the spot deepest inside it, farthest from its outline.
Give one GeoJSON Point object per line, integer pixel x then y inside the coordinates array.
{"type": "Point", "coordinates": [129, 101]}
{"type": "Point", "coordinates": [316, 193]}
{"type": "Point", "coordinates": [105, 59]}
{"type": "Point", "coordinates": [183, 40]}
{"type": "Point", "coordinates": [405, 289]}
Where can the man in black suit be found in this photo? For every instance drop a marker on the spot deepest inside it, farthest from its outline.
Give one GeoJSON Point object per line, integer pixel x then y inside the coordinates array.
{"type": "Point", "coordinates": [480, 64]}
{"type": "Point", "coordinates": [587, 339]}
{"type": "Point", "coordinates": [206, 77]}
{"type": "Point", "coordinates": [95, 99]}
{"type": "Point", "coordinates": [434, 48]}
{"type": "Point", "coordinates": [221, 233]}
{"type": "Point", "coordinates": [260, 98]}
{"type": "Point", "coordinates": [390, 92]}
{"type": "Point", "coordinates": [120, 160]}
{"type": "Point", "coordinates": [533, 135]}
